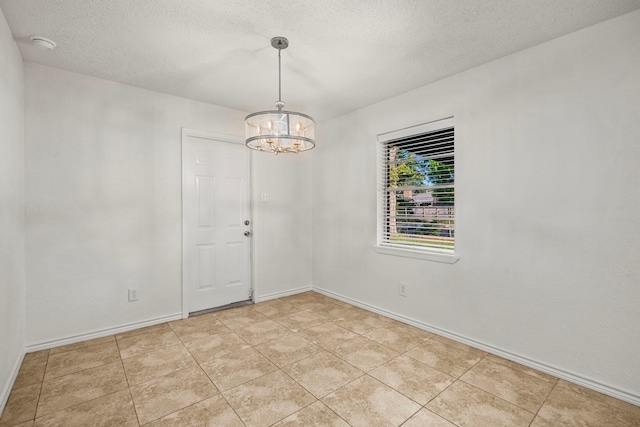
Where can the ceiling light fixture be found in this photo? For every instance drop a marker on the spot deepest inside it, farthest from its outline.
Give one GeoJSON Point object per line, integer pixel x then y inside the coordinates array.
{"type": "Point", "coordinates": [43, 43]}
{"type": "Point", "coordinates": [279, 131]}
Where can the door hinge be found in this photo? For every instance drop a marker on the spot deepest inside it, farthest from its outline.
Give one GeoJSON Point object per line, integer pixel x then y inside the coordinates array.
{"type": "Point", "coordinates": [250, 294]}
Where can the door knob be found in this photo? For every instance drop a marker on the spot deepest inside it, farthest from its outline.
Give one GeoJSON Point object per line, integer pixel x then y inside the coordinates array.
{"type": "Point", "coordinates": [247, 233]}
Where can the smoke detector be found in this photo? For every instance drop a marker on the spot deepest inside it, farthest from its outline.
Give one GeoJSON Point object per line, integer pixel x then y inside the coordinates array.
{"type": "Point", "coordinates": [43, 43]}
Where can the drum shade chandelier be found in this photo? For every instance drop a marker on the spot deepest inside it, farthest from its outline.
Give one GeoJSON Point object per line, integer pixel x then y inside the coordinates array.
{"type": "Point", "coordinates": [279, 131]}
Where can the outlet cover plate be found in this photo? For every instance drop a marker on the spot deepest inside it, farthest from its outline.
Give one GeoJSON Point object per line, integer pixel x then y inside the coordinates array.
{"type": "Point", "coordinates": [402, 289]}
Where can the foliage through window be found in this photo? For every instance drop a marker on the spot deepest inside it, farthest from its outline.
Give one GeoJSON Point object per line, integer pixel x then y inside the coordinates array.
{"type": "Point", "coordinates": [417, 192]}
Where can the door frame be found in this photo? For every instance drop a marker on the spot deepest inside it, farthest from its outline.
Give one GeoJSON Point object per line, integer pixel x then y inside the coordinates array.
{"type": "Point", "coordinates": [213, 137]}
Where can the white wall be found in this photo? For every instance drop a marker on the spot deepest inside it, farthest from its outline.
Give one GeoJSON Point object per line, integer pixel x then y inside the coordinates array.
{"type": "Point", "coordinates": [12, 228]}
{"type": "Point", "coordinates": [547, 209]}
{"type": "Point", "coordinates": [103, 191]}
{"type": "Point", "coordinates": [282, 237]}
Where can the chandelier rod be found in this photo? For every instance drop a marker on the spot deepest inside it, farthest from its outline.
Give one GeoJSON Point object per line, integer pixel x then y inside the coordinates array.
{"type": "Point", "coordinates": [279, 77]}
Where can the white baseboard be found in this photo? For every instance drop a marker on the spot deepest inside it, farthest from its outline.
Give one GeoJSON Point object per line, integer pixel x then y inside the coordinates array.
{"type": "Point", "coordinates": [6, 391]}
{"type": "Point", "coordinates": [548, 369]}
{"type": "Point", "coordinates": [267, 297]}
{"type": "Point", "coordinates": [100, 333]}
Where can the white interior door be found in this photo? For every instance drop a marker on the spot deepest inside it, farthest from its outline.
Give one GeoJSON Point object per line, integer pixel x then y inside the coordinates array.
{"type": "Point", "coordinates": [216, 222]}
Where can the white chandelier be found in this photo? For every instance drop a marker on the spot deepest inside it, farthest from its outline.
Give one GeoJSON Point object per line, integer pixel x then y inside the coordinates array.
{"type": "Point", "coordinates": [279, 131]}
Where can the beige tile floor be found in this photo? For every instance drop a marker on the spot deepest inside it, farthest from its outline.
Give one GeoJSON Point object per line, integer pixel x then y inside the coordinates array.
{"type": "Point", "coordinates": [304, 360]}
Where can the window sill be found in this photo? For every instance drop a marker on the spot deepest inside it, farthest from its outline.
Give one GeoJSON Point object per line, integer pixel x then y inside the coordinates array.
{"type": "Point", "coordinates": [428, 256]}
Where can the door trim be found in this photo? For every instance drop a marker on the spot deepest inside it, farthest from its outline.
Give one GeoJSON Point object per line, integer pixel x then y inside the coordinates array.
{"type": "Point", "coordinates": [219, 137]}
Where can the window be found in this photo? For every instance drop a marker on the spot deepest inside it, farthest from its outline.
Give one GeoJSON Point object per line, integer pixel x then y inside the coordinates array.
{"type": "Point", "coordinates": [416, 197]}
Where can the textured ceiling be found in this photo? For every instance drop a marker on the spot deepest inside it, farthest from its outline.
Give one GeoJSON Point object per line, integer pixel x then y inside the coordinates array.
{"type": "Point", "coordinates": [343, 54]}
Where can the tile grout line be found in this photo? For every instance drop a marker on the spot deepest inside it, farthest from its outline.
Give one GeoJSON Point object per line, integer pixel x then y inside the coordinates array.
{"type": "Point", "coordinates": [455, 379]}
{"type": "Point", "coordinates": [278, 368]}
{"type": "Point", "coordinates": [228, 403]}
{"type": "Point", "coordinates": [435, 397]}
{"type": "Point", "coordinates": [497, 362]}
{"type": "Point", "coordinates": [81, 347]}
{"type": "Point", "coordinates": [253, 379]}
{"type": "Point", "coordinates": [501, 398]}
{"type": "Point", "coordinates": [331, 350]}
{"type": "Point", "coordinates": [324, 349]}
{"type": "Point", "coordinates": [220, 392]}
{"type": "Point", "coordinates": [80, 370]}
{"type": "Point", "coordinates": [245, 382]}
{"type": "Point", "coordinates": [498, 397]}
{"type": "Point", "coordinates": [35, 414]}
{"type": "Point", "coordinates": [291, 363]}
{"type": "Point", "coordinates": [77, 404]}
{"type": "Point", "coordinates": [322, 397]}
{"type": "Point", "coordinates": [412, 415]}
{"type": "Point", "coordinates": [126, 377]}
{"type": "Point", "coordinates": [484, 356]}
{"type": "Point", "coordinates": [417, 361]}
{"type": "Point", "coordinates": [555, 384]}
{"type": "Point", "coordinates": [152, 350]}
{"type": "Point", "coordinates": [177, 370]}
{"type": "Point", "coordinates": [306, 406]}
{"type": "Point", "coordinates": [72, 373]}
{"type": "Point", "coordinates": [365, 373]}
{"type": "Point", "coordinates": [396, 390]}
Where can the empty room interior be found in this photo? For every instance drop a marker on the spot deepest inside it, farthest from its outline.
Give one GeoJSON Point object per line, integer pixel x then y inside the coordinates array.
{"type": "Point", "coordinates": [320, 213]}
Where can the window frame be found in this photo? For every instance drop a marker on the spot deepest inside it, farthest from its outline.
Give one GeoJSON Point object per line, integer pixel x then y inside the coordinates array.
{"type": "Point", "coordinates": [409, 251]}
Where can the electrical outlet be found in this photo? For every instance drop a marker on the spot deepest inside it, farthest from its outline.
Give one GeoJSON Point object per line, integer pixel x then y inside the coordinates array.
{"type": "Point", "coordinates": [402, 289]}
{"type": "Point", "coordinates": [265, 197]}
{"type": "Point", "coordinates": [133, 295]}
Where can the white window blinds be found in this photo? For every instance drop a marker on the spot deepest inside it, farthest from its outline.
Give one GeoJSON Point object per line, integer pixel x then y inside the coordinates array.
{"type": "Point", "coordinates": [416, 197]}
